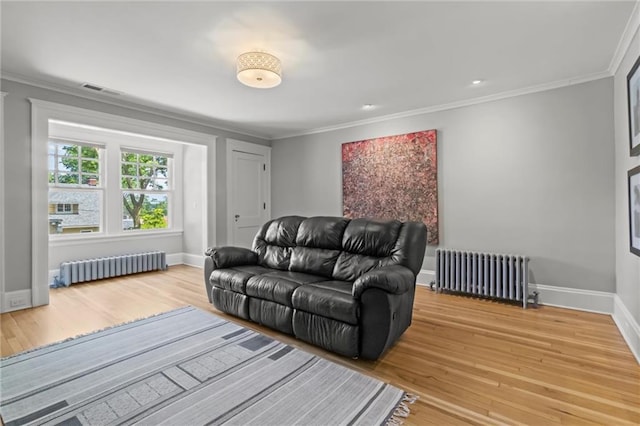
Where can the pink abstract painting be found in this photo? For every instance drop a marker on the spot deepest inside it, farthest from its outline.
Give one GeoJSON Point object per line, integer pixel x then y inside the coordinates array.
{"type": "Point", "coordinates": [394, 177]}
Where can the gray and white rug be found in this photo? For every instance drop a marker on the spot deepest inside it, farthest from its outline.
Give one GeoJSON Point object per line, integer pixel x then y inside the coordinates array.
{"type": "Point", "coordinates": [187, 367]}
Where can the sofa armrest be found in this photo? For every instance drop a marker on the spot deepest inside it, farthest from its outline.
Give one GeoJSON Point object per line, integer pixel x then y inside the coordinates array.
{"type": "Point", "coordinates": [228, 257]}
{"type": "Point", "coordinates": [394, 279]}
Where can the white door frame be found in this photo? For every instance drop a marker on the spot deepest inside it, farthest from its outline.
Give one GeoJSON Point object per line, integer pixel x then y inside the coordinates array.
{"type": "Point", "coordinates": [41, 113]}
{"type": "Point", "coordinates": [251, 148]}
{"type": "Point", "coordinates": [2, 181]}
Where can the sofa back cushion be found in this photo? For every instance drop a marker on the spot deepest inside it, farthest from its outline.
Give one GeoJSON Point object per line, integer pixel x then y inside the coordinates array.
{"type": "Point", "coordinates": [318, 245]}
{"type": "Point", "coordinates": [339, 248]}
{"type": "Point", "coordinates": [274, 241]}
{"type": "Point", "coordinates": [366, 244]}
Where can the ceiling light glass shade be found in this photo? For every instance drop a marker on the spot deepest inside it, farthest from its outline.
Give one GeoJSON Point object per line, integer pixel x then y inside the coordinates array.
{"type": "Point", "coordinates": [259, 69]}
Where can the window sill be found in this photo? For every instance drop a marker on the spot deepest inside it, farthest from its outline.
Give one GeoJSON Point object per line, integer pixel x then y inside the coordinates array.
{"type": "Point", "coordinates": [56, 241]}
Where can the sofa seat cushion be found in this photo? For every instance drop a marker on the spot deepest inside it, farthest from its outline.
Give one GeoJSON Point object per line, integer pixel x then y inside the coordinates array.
{"type": "Point", "coordinates": [235, 279]}
{"type": "Point", "coordinates": [330, 299]}
{"type": "Point", "coordinates": [278, 286]}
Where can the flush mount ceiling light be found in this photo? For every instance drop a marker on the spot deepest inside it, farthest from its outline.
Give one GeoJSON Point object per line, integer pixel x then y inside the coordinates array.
{"type": "Point", "coordinates": [260, 70]}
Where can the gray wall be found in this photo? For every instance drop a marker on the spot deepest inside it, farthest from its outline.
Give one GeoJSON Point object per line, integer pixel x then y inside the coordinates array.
{"type": "Point", "coordinates": [627, 264]}
{"type": "Point", "coordinates": [16, 170]}
{"type": "Point", "coordinates": [530, 175]}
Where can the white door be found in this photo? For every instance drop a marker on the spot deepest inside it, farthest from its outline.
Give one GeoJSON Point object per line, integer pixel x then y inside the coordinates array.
{"type": "Point", "coordinates": [249, 184]}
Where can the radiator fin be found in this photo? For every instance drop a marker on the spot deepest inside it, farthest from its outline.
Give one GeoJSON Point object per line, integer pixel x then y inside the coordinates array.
{"type": "Point", "coordinates": [501, 276]}
{"type": "Point", "coordinates": [113, 266]}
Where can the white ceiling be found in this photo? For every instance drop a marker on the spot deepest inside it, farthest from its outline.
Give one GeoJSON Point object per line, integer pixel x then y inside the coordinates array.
{"type": "Point", "coordinates": [336, 56]}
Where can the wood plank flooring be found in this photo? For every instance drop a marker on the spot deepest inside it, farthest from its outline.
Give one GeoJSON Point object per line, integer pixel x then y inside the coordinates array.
{"type": "Point", "coordinates": [470, 361]}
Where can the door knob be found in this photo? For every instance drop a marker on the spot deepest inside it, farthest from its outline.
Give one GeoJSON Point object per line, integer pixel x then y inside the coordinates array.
{"type": "Point", "coordinates": [237, 217]}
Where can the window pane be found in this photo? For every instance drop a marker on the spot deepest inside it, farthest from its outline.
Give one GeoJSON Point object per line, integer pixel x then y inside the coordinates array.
{"type": "Point", "coordinates": [51, 149]}
{"type": "Point", "coordinates": [146, 158]}
{"type": "Point", "coordinates": [129, 169]}
{"type": "Point", "coordinates": [68, 164]}
{"type": "Point", "coordinates": [162, 172]}
{"type": "Point", "coordinates": [130, 183]}
{"type": "Point", "coordinates": [52, 177]}
{"type": "Point", "coordinates": [161, 184]}
{"type": "Point", "coordinates": [51, 162]}
{"type": "Point", "coordinates": [90, 166]}
{"type": "Point", "coordinates": [147, 184]}
{"type": "Point", "coordinates": [89, 152]}
{"type": "Point", "coordinates": [128, 156]}
{"type": "Point", "coordinates": [68, 178]}
{"type": "Point", "coordinates": [143, 211]}
{"type": "Point", "coordinates": [162, 161]}
{"type": "Point", "coordinates": [146, 171]}
{"type": "Point", "coordinates": [91, 180]}
{"type": "Point", "coordinates": [74, 211]}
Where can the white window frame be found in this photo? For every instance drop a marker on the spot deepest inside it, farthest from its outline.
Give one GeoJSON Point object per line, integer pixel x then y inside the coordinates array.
{"type": "Point", "coordinates": [113, 144]}
{"type": "Point", "coordinates": [61, 187]}
{"type": "Point", "coordinates": [168, 192]}
{"type": "Point", "coordinates": [41, 114]}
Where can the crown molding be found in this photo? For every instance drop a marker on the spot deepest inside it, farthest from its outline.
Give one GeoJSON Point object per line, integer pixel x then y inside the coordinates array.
{"type": "Point", "coordinates": [138, 105]}
{"type": "Point", "coordinates": [633, 25]}
{"type": "Point", "coordinates": [453, 105]}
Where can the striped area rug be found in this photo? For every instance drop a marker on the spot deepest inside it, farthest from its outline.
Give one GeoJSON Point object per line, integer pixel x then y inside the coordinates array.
{"type": "Point", "coordinates": [187, 367]}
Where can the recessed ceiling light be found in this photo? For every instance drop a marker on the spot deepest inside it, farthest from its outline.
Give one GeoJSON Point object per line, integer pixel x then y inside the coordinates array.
{"type": "Point", "coordinates": [368, 106]}
{"type": "Point", "coordinates": [476, 82]}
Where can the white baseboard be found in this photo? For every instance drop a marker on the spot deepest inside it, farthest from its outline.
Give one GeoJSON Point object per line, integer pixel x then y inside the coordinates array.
{"type": "Point", "coordinates": [174, 259]}
{"type": "Point", "coordinates": [16, 300]}
{"type": "Point", "coordinates": [425, 277]}
{"type": "Point", "coordinates": [627, 325]}
{"type": "Point", "coordinates": [600, 302]}
{"type": "Point", "coordinates": [562, 297]}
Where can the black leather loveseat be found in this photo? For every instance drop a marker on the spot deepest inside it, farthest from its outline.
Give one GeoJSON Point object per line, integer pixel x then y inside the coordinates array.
{"type": "Point", "coordinates": [345, 285]}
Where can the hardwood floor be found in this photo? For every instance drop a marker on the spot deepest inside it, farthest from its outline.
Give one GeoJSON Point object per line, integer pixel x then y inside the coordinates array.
{"type": "Point", "coordinates": [470, 361]}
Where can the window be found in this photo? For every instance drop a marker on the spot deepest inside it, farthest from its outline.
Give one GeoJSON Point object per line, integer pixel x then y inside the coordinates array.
{"type": "Point", "coordinates": [75, 187]}
{"type": "Point", "coordinates": [112, 183]}
{"type": "Point", "coordinates": [63, 208]}
{"type": "Point", "coordinates": [146, 190]}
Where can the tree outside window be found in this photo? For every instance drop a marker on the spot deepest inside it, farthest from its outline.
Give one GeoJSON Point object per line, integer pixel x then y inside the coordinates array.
{"type": "Point", "coordinates": [145, 187]}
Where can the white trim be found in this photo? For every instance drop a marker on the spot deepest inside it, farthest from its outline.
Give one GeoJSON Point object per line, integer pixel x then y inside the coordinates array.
{"type": "Point", "coordinates": [2, 180]}
{"type": "Point", "coordinates": [454, 105]}
{"type": "Point", "coordinates": [562, 297]}
{"type": "Point", "coordinates": [41, 113]}
{"type": "Point", "coordinates": [90, 239]}
{"type": "Point", "coordinates": [120, 123]}
{"type": "Point", "coordinates": [632, 27]}
{"type": "Point", "coordinates": [627, 325]}
{"type": "Point", "coordinates": [174, 259]}
{"type": "Point", "coordinates": [164, 111]}
{"type": "Point", "coordinates": [139, 104]}
{"type": "Point", "coordinates": [251, 148]}
{"type": "Point", "coordinates": [23, 295]}
{"type": "Point", "coordinates": [600, 302]}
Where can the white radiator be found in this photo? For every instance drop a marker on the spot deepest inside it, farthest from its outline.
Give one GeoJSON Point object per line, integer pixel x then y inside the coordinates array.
{"type": "Point", "coordinates": [500, 276]}
{"type": "Point", "coordinates": [112, 266]}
